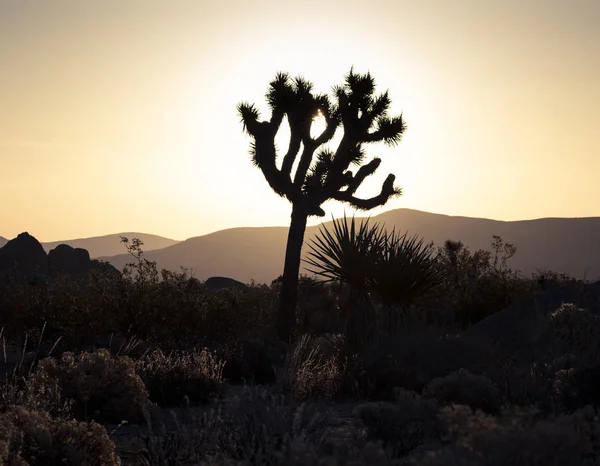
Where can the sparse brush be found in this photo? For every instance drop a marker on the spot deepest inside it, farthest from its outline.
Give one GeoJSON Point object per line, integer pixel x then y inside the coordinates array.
{"type": "Point", "coordinates": [255, 427]}
{"type": "Point", "coordinates": [101, 387]}
{"type": "Point", "coordinates": [517, 437]}
{"type": "Point", "coordinates": [30, 437]}
{"type": "Point", "coordinates": [195, 374]}
{"type": "Point", "coordinates": [401, 425]}
{"type": "Point", "coordinates": [462, 387]}
{"type": "Point", "coordinates": [309, 372]}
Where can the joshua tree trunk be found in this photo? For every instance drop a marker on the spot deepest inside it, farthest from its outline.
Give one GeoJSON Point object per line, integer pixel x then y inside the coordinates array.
{"type": "Point", "coordinates": [289, 285]}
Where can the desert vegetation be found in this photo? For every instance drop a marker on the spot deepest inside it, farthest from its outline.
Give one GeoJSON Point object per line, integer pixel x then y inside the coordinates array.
{"type": "Point", "coordinates": [321, 174]}
{"type": "Point", "coordinates": [390, 351]}
{"type": "Point", "coordinates": [388, 362]}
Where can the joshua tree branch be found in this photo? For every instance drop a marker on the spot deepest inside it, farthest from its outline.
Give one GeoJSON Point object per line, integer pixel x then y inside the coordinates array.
{"type": "Point", "coordinates": [363, 172]}
{"type": "Point", "coordinates": [387, 191]}
{"type": "Point", "coordinates": [292, 153]}
{"type": "Point", "coordinates": [305, 160]}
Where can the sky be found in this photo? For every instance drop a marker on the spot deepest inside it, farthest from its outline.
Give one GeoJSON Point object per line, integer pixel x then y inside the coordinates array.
{"type": "Point", "coordinates": [120, 115]}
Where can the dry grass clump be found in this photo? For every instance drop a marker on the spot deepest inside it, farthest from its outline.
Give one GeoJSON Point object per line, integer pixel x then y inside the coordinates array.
{"type": "Point", "coordinates": [30, 437]}
{"type": "Point", "coordinates": [311, 371]}
{"type": "Point", "coordinates": [578, 330]}
{"type": "Point", "coordinates": [255, 427]}
{"type": "Point", "coordinates": [170, 378]}
{"type": "Point", "coordinates": [517, 438]}
{"type": "Point", "coordinates": [400, 426]}
{"type": "Point", "coordinates": [102, 387]}
{"type": "Point", "coordinates": [462, 387]}
{"type": "Point", "coordinates": [29, 393]}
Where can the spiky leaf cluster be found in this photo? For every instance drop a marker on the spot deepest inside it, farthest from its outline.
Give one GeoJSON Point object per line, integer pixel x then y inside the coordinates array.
{"type": "Point", "coordinates": [322, 174]}
{"type": "Point", "coordinates": [397, 268]}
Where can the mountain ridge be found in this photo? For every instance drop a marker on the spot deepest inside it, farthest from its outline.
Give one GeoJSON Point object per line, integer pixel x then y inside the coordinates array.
{"type": "Point", "coordinates": [570, 245]}
{"type": "Point", "coordinates": [107, 245]}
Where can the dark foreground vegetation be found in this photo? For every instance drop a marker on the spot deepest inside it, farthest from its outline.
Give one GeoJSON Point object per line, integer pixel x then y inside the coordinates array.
{"type": "Point", "coordinates": [408, 355]}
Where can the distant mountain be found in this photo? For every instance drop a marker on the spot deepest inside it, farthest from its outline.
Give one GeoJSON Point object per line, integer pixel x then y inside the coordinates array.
{"type": "Point", "coordinates": [110, 245]}
{"type": "Point", "coordinates": [570, 245]}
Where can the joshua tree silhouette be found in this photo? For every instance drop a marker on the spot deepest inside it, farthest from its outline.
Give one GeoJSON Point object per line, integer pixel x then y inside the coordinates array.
{"type": "Point", "coordinates": [321, 174]}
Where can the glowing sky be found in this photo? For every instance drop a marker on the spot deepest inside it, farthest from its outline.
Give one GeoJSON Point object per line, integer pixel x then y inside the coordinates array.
{"type": "Point", "coordinates": [119, 115]}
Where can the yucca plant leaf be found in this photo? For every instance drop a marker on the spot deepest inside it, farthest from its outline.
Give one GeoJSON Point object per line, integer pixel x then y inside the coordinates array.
{"type": "Point", "coordinates": [343, 254]}
{"type": "Point", "coordinates": [407, 269]}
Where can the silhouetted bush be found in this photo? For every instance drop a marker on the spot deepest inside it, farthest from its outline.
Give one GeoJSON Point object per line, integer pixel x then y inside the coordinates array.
{"type": "Point", "coordinates": [517, 438]}
{"type": "Point", "coordinates": [479, 284]}
{"type": "Point", "coordinates": [401, 425]}
{"type": "Point", "coordinates": [462, 387]}
{"type": "Point", "coordinates": [255, 427]}
{"type": "Point", "coordinates": [310, 371]}
{"type": "Point", "coordinates": [253, 360]}
{"type": "Point", "coordinates": [196, 375]}
{"type": "Point", "coordinates": [101, 387]}
{"type": "Point", "coordinates": [29, 437]}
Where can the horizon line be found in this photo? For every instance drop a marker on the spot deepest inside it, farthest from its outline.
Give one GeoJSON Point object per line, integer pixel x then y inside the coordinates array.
{"type": "Point", "coordinates": [287, 226]}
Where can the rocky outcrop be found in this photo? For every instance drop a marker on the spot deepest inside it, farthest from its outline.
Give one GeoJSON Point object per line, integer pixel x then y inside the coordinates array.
{"type": "Point", "coordinates": [513, 330]}
{"type": "Point", "coordinates": [23, 256]}
{"type": "Point", "coordinates": [69, 261]}
{"type": "Point", "coordinates": [220, 283]}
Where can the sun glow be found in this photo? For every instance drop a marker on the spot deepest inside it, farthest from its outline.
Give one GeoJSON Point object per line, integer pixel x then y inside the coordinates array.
{"type": "Point", "coordinates": [318, 125]}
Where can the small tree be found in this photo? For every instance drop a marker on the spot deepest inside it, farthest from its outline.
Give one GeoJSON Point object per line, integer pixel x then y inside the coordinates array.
{"type": "Point", "coordinates": [321, 174]}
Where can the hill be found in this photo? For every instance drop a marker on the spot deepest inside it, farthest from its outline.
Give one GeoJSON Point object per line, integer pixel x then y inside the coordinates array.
{"type": "Point", "coordinates": [110, 245]}
{"type": "Point", "coordinates": [3, 241]}
{"type": "Point", "coordinates": [570, 245]}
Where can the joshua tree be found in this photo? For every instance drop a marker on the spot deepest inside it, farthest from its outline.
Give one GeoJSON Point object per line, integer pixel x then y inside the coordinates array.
{"type": "Point", "coordinates": [321, 174]}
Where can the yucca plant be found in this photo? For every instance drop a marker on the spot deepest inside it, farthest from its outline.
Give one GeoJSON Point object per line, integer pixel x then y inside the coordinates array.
{"type": "Point", "coordinates": [386, 272]}
{"type": "Point", "coordinates": [345, 254]}
{"type": "Point", "coordinates": [395, 268]}
{"type": "Point", "coordinates": [406, 269]}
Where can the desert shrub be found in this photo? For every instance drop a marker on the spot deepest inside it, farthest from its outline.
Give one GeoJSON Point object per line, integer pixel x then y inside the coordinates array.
{"type": "Point", "coordinates": [317, 306]}
{"type": "Point", "coordinates": [401, 426]}
{"type": "Point", "coordinates": [517, 438]}
{"type": "Point", "coordinates": [256, 427]}
{"type": "Point", "coordinates": [576, 388]}
{"type": "Point", "coordinates": [252, 360]}
{"type": "Point", "coordinates": [542, 280]}
{"type": "Point", "coordinates": [309, 371]}
{"type": "Point", "coordinates": [462, 387]}
{"type": "Point", "coordinates": [32, 395]}
{"type": "Point", "coordinates": [196, 374]}
{"type": "Point", "coordinates": [479, 284]}
{"type": "Point", "coordinates": [30, 437]}
{"type": "Point", "coordinates": [101, 387]}
{"type": "Point", "coordinates": [578, 330]}
{"type": "Point", "coordinates": [408, 355]}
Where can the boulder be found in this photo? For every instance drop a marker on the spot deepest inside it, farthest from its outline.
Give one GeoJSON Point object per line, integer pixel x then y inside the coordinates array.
{"type": "Point", "coordinates": [514, 330]}
{"type": "Point", "coordinates": [25, 255]}
{"type": "Point", "coordinates": [25, 258]}
{"type": "Point", "coordinates": [74, 262]}
{"type": "Point", "coordinates": [220, 283]}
